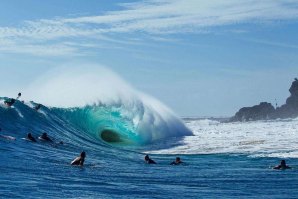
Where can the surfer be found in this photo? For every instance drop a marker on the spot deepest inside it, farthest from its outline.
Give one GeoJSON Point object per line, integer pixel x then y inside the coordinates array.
{"type": "Point", "coordinates": [177, 161]}
{"type": "Point", "coordinates": [79, 160]}
{"type": "Point", "coordinates": [19, 95]}
{"type": "Point", "coordinates": [30, 137]}
{"type": "Point", "coordinates": [45, 137]}
{"type": "Point", "coordinates": [148, 160]}
{"type": "Point", "coordinates": [282, 165]}
{"type": "Point", "coordinates": [37, 107]}
{"type": "Point", "coordinates": [9, 102]}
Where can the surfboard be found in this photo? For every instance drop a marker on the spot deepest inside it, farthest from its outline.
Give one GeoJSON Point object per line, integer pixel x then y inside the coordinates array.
{"type": "Point", "coordinates": [8, 137]}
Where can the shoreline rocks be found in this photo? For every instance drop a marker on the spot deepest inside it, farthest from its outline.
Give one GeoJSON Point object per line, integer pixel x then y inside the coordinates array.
{"type": "Point", "coordinates": [265, 110]}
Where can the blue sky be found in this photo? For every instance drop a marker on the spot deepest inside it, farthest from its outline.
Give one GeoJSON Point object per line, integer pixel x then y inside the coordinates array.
{"type": "Point", "coordinates": [201, 58]}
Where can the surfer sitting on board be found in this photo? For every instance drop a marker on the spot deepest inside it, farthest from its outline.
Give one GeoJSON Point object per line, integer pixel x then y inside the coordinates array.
{"type": "Point", "coordinates": [177, 161]}
{"type": "Point", "coordinates": [30, 137]}
{"type": "Point", "coordinates": [45, 137]}
{"type": "Point", "coordinates": [79, 160]}
{"type": "Point", "coordinates": [282, 165]}
{"type": "Point", "coordinates": [148, 160]}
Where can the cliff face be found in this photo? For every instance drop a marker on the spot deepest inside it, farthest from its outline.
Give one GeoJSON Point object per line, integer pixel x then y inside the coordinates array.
{"type": "Point", "coordinates": [265, 110]}
{"type": "Point", "coordinates": [262, 111]}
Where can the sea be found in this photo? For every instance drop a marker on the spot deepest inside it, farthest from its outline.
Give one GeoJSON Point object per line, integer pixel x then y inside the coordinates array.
{"type": "Point", "coordinates": [220, 160]}
{"type": "Point", "coordinates": [92, 109]}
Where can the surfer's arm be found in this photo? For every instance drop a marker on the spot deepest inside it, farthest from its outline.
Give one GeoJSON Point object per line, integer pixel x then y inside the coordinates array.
{"type": "Point", "coordinates": [76, 161]}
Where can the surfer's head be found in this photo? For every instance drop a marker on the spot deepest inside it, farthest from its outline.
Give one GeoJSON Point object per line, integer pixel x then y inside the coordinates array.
{"type": "Point", "coordinates": [178, 159]}
{"type": "Point", "coordinates": [283, 163]}
{"type": "Point", "coordinates": [83, 154]}
{"type": "Point", "coordinates": [147, 157]}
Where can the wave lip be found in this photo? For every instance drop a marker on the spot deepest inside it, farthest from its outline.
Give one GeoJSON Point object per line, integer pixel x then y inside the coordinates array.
{"type": "Point", "coordinates": [131, 122]}
{"type": "Point", "coordinates": [105, 106]}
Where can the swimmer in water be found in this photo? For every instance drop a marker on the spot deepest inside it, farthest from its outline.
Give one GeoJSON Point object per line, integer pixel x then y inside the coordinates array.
{"type": "Point", "coordinates": [282, 165]}
{"type": "Point", "coordinates": [148, 160]}
{"type": "Point", "coordinates": [30, 137]}
{"type": "Point", "coordinates": [79, 160]}
{"type": "Point", "coordinates": [45, 137]}
{"type": "Point", "coordinates": [9, 102]}
{"type": "Point", "coordinates": [37, 107]}
{"type": "Point", "coordinates": [177, 161]}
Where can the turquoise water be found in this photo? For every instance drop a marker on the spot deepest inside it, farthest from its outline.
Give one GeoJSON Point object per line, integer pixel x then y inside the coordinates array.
{"type": "Point", "coordinates": [117, 170]}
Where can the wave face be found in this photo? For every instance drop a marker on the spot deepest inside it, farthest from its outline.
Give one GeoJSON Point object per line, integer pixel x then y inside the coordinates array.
{"type": "Point", "coordinates": [135, 123]}
{"type": "Point", "coordinates": [97, 103]}
{"type": "Point", "coordinates": [110, 123]}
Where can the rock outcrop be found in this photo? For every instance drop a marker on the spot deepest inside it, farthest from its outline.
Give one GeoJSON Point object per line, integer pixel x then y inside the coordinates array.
{"type": "Point", "coordinates": [265, 110]}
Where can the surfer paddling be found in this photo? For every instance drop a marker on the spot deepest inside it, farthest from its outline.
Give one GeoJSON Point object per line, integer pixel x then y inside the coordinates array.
{"type": "Point", "coordinates": [148, 160]}
{"type": "Point", "coordinates": [30, 138]}
{"type": "Point", "coordinates": [45, 137]}
{"type": "Point", "coordinates": [177, 161]}
{"type": "Point", "coordinates": [79, 160]}
{"type": "Point", "coordinates": [282, 165]}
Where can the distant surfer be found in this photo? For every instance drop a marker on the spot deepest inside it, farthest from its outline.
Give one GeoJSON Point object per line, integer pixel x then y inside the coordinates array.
{"type": "Point", "coordinates": [9, 102]}
{"type": "Point", "coordinates": [19, 95]}
{"type": "Point", "coordinates": [282, 165]}
{"type": "Point", "coordinates": [177, 161]}
{"type": "Point", "coordinates": [30, 137]}
{"type": "Point", "coordinates": [148, 160]}
{"type": "Point", "coordinates": [45, 137]}
{"type": "Point", "coordinates": [37, 107]}
{"type": "Point", "coordinates": [79, 160]}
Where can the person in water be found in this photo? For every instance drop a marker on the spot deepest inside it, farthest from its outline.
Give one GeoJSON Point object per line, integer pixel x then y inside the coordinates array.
{"type": "Point", "coordinates": [148, 160]}
{"type": "Point", "coordinates": [177, 161]}
{"type": "Point", "coordinates": [45, 137]}
{"type": "Point", "coordinates": [9, 102]}
{"type": "Point", "coordinates": [79, 160]}
{"type": "Point", "coordinates": [19, 95]}
{"type": "Point", "coordinates": [30, 137]}
{"type": "Point", "coordinates": [282, 165]}
{"type": "Point", "coordinates": [37, 107]}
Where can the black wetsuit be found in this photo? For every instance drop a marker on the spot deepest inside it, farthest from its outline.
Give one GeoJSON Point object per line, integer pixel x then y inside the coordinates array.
{"type": "Point", "coordinates": [10, 102]}
{"type": "Point", "coordinates": [46, 138]}
{"type": "Point", "coordinates": [150, 161]}
{"type": "Point", "coordinates": [31, 139]}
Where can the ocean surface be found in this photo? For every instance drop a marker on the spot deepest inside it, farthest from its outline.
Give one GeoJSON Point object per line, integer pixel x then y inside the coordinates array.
{"type": "Point", "coordinates": [221, 160]}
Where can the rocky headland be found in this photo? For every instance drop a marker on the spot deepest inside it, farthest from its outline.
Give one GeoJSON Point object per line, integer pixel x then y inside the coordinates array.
{"type": "Point", "coordinates": [265, 110]}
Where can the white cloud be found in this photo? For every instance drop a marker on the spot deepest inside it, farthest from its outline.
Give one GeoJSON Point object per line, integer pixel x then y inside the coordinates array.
{"type": "Point", "coordinates": [154, 17]}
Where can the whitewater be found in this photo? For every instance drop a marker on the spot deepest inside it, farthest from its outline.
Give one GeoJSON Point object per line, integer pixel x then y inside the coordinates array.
{"type": "Point", "coordinates": [97, 112]}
